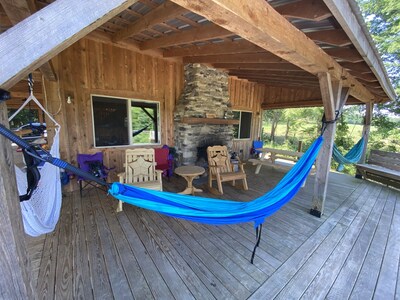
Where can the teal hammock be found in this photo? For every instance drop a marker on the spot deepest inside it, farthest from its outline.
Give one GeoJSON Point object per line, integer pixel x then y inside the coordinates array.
{"type": "Point", "coordinates": [351, 157]}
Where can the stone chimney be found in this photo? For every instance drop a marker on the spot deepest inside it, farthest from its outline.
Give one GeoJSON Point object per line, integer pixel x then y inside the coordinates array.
{"type": "Point", "coordinates": [202, 113]}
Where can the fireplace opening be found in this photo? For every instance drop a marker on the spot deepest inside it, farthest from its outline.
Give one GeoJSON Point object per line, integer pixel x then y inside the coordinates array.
{"type": "Point", "coordinates": [202, 160]}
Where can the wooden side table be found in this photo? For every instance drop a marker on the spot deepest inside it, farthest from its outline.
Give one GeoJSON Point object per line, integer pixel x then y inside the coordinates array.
{"type": "Point", "coordinates": [189, 173]}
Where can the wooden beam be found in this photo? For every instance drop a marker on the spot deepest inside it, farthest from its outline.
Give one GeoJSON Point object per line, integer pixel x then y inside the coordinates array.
{"type": "Point", "coordinates": [231, 47]}
{"type": "Point", "coordinates": [129, 45]}
{"type": "Point", "coordinates": [162, 13]}
{"type": "Point", "coordinates": [258, 66]}
{"type": "Point", "coordinates": [336, 37]}
{"type": "Point", "coordinates": [37, 39]}
{"type": "Point", "coordinates": [347, 54]}
{"type": "Point", "coordinates": [15, 281]}
{"type": "Point", "coordinates": [203, 33]}
{"type": "Point", "coordinates": [257, 22]}
{"type": "Point", "coordinates": [328, 100]}
{"type": "Point", "coordinates": [369, 107]}
{"type": "Point", "coordinates": [360, 67]}
{"type": "Point", "coordinates": [235, 58]}
{"type": "Point", "coordinates": [18, 11]}
{"type": "Point", "coordinates": [294, 104]}
{"type": "Point", "coordinates": [349, 17]}
{"type": "Point", "coordinates": [305, 9]}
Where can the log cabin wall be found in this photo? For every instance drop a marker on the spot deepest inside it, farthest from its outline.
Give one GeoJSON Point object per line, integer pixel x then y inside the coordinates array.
{"type": "Point", "coordinates": [246, 96]}
{"type": "Point", "coordinates": [91, 67]}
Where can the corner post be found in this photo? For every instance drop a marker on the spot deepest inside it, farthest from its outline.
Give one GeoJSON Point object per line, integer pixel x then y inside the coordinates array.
{"type": "Point", "coordinates": [15, 282]}
{"type": "Point", "coordinates": [366, 130]}
{"type": "Point", "coordinates": [334, 96]}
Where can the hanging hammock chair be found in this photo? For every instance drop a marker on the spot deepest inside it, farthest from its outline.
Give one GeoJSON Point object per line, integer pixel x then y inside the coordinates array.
{"type": "Point", "coordinates": [40, 204]}
{"type": "Point", "coordinates": [351, 157]}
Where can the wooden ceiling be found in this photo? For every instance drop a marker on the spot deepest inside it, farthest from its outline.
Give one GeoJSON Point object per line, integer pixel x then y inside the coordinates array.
{"type": "Point", "coordinates": [173, 32]}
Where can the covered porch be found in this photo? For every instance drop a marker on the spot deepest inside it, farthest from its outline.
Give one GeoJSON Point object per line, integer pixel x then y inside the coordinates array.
{"type": "Point", "coordinates": [353, 250]}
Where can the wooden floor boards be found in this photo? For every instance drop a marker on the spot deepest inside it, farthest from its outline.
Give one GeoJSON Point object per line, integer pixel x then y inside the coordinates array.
{"type": "Point", "coordinates": [353, 251]}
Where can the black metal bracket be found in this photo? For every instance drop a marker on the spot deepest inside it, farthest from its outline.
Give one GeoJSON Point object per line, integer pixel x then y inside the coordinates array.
{"type": "Point", "coordinates": [4, 95]}
{"type": "Point", "coordinates": [315, 213]}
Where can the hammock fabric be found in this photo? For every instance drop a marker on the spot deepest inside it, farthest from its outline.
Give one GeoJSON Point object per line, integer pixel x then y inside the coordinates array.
{"type": "Point", "coordinates": [215, 211]}
{"type": "Point", "coordinates": [351, 157]}
{"type": "Point", "coordinates": [41, 210]}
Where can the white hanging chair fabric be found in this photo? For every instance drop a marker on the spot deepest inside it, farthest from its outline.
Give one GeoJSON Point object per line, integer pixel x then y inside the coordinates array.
{"type": "Point", "coordinates": [41, 212]}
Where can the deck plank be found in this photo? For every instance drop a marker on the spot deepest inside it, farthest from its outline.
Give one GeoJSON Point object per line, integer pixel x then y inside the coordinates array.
{"type": "Point", "coordinates": [353, 251]}
{"type": "Point", "coordinates": [278, 280]}
{"type": "Point", "coordinates": [64, 254]}
{"type": "Point", "coordinates": [137, 281]}
{"type": "Point", "coordinates": [98, 272]}
{"type": "Point", "coordinates": [365, 285]}
{"type": "Point", "coordinates": [82, 287]}
{"type": "Point", "coordinates": [386, 285]}
{"type": "Point", "coordinates": [322, 283]}
{"type": "Point", "coordinates": [118, 281]}
{"type": "Point", "coordinates": [155, 281]}
{"type": "Point", "coordinates": [211, 281]}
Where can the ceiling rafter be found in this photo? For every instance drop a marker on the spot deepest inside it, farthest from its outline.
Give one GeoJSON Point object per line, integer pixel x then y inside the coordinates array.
{"type": "Point", "coordinates": [235, 58]}
{"type": "Point", "coordinates": [259, 66]}
{"type": "Point", "coordinates": [230, 47]}
{"type": "Point", "coordinates": [203, 33]}
{"type": "Point", "coordinates": [162, 13]}
{"type": "Point", "coordinates": [336, 37]}
{"type": "Point", "coordinates": [360, 67]}
{"type": "Point", "coordinates": [350, 55]}
{"type": "Point", "coordinates": [305, 9]}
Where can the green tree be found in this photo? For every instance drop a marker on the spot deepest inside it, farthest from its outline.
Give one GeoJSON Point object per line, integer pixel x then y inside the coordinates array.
{"type": "Point", "coordinates": [383, 20]}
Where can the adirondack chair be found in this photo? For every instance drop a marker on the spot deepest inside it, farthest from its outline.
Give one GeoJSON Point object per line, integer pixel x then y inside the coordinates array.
{"type": "Point", "coordinates": [140, 171]}
{"type": "Point", "coordinates": [221, 169]}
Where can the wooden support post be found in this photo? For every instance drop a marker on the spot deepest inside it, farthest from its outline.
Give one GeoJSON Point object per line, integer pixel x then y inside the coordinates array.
{"type": "Point", "coordinates": [366, 129]}
{"type": "Point", "coordinates": [15, 281]}
{"type": "Point", "coordinates": [334, 97]}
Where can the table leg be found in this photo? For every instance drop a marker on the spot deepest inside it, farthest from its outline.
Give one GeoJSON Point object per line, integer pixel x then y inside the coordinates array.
{"type": "Point", "coordinates": [190, 188]}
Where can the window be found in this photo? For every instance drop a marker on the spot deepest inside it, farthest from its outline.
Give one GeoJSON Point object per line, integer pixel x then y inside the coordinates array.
{"type": "Point", "coordinates": [243, 129]}
{"type": "Point", "coordinates": [122, 122]}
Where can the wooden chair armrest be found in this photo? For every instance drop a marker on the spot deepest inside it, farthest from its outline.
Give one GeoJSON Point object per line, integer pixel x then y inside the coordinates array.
{"type": "Point", "coordinates": [121, 177]}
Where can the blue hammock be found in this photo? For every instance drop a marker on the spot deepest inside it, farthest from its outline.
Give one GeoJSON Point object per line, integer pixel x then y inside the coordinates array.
{"type": "Point", "coordinates": [216, 211]}
{"type": "Point", "coordinates": [199, 209]}
{"type": "Point", "coordinates": [351, 157]}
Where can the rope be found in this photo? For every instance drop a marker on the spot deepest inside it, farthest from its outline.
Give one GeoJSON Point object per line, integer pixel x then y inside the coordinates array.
{"type": "Point", "coordinates": [325, 122]}
{"type": "Point", "coordinates": [258, 239]}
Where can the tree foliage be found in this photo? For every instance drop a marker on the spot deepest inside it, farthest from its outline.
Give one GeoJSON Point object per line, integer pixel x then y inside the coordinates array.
{"type": "Point", "coordinates": [383, 20]}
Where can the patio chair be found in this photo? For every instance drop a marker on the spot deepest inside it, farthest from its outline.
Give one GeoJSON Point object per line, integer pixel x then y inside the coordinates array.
{"type": "Point", "coordinates": [163, 161]}
{"type": "Point", "coordinates": [140, 170]}
{"type": "Point", "coordinates": [221, 169]}
{"type": "Point", "coordinates": [92, 163]}
{"type": "Point", "coordinates": [256, 145]}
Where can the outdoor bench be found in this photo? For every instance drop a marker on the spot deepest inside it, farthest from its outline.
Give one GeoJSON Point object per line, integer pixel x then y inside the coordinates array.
{"type": "Point", "coordinates": [383, 167]}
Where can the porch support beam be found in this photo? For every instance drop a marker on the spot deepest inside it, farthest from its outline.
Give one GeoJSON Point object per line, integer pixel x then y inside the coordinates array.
{"type": "Point", "coordinates": [41, 36]}
{"type": "Point", "coordinates": [366, 130]}
{"type": "Point", "coordinates": [15, 281]}
{"type": "Point", "coordinates": [257, 22]}
{"type": "Point", "coordinates": [19, 10]}
{"type": "Point", "coordinates": [334, 96]}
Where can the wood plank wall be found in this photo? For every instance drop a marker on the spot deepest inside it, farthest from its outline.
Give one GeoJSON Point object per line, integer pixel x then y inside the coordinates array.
{"type": "Point", "coordinates": [247, 96]}
{"type": "Point", "coordinates": [91, 67]}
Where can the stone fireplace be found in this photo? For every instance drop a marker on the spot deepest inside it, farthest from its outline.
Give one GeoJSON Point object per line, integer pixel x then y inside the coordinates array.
{"type": "Point", "coordinates": [203, 116]}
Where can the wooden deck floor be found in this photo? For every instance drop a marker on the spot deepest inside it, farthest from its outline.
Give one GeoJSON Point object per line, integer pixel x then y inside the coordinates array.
{"type": "Point", "coordinates": [352, 252]}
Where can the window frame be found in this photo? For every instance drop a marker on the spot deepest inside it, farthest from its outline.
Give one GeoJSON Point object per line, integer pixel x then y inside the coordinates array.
{"type": "Point", "coordinates": [128, 106]}
{"type": "Point", "coordinates": [240, 124]}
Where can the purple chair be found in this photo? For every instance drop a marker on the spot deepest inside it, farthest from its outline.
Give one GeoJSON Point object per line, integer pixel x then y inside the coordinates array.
{"type": "Point", "coordinates": [93, 164]}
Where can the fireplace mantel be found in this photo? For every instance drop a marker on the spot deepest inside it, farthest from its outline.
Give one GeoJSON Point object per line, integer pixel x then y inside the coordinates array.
{"type": "Point", "coordinates": [213, 121]}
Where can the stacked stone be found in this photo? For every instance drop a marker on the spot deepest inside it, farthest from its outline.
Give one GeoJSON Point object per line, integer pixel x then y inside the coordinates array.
{"type": "Point", "coordinates": [205, 93]}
